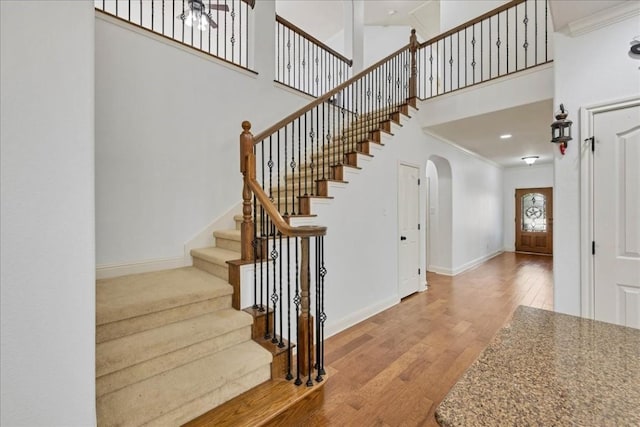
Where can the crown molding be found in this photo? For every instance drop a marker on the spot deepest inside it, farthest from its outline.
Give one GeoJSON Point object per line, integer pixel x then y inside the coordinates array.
{"type": "Point", "coordinates": [603, 18]}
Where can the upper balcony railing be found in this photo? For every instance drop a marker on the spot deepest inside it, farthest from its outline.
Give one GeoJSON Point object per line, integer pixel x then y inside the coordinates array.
{"type": "Point", "coordinates": [305, 63]}
{"type": "Point", "coordinates": [217, 27]}
{"type": "Point", "coordinates": [508, 39]}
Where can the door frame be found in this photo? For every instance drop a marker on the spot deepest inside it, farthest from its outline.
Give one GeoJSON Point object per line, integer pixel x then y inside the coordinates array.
{"type": "Point", "coordinates": [587, 265]}
{"type": "Point", "coordinates": [423, 273]}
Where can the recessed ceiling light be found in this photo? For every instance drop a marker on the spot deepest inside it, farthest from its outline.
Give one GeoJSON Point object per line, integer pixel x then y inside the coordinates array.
{"type": "Point", "coordinates": [392, 12]}
{"type": "Point", "coordinates": [506, 136]}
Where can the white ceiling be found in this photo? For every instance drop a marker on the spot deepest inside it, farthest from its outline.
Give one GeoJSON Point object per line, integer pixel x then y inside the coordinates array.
{"type": "Point", "coordinates": [529, 124]}
{"type": "Point", "coordinates": [324, 18]}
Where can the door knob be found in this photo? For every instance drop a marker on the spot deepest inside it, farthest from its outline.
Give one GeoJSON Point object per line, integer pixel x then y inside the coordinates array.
{"type": "Point", "coordinates": [403, 238]}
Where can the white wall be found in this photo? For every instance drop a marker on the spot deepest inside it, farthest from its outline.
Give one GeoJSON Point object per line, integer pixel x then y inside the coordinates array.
{"type": "Point", "coordinates": [47, 213]}
{"type": "Point", "coordinates": [535, 176]}
{"type": "Point", "coordinates": [456, 12]}
{"type": "Point", "coordinates": [521, 88]}
{"type": "Point", "coordinates": [167, 127]}
{"type": "Point", "coordinates": [582, 80]}
{"type": "Point", "coordinates": [361, 247]}
{"type": "Point", "coordinates": [378, 41]}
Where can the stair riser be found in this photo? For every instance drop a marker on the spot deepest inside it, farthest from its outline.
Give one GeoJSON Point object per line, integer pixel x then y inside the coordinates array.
{"type": "Point", "coordinates": [218, 374]}
{"type": "Point", "coordinates": [209, 267]}
{"type": "Point", "coordinates": [228, 244]}
{"type": "Point", "coordinates": [140, 371]}
{"type": "Point", "coordinates": [212, 399]}
{"type": "Point", "coordinates": [137, 324]}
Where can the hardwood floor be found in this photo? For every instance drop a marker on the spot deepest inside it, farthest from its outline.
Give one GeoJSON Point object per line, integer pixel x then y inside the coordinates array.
{"type": "Point", "coordinates": [394, 368]}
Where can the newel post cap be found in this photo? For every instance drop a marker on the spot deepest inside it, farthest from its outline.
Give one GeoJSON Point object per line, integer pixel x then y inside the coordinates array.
{"type": "Point", "coordinates": [246, 144]}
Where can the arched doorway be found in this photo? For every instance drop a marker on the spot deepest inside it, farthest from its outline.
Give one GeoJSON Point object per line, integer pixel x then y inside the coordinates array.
{"type": "Point", "coordinates": [439, 215]}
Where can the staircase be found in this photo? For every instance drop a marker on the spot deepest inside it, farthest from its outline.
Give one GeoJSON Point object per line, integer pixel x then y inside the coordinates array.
{"type": "Point", "coordinates": [169, 344]}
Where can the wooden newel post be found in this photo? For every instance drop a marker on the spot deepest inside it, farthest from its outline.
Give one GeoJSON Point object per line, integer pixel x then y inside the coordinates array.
{"type": "Point", "coordinates": [247, 165]}
{"type": "Point", "coordinates": [305, 321]}
{"type": "Point", "coordinates": [413, 79]}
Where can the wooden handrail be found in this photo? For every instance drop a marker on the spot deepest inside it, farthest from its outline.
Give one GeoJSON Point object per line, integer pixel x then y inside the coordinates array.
{"type": "Point", "coordinates": [248, 169]}
{"type": "Point", "coordinates": [467, 24]}
{"type": "Point", "coordinates": [250, 3]}
{"type": "Point", "coordinates": [324, 98]}
{"type": "Point", "coordinates": [308, 36]}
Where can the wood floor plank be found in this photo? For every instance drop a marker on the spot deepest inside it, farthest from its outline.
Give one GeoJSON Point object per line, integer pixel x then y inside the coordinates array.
{"type": "Point", "coordinates": [396, 367]}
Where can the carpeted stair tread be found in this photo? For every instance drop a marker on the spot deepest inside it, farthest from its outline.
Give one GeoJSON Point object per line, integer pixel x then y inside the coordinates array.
{"type": "Point", "coordinates": [123, 352]}
{"type": "Point", "coordinates": [162, 394]}
{"type": "Point", "coordinates": [215, 255]}
{"type": "Point", "coordinates": [140, 294]}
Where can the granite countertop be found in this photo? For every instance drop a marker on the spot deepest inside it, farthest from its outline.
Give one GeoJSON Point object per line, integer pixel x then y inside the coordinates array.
{"type": "Point", "coordinates": [550, 369]}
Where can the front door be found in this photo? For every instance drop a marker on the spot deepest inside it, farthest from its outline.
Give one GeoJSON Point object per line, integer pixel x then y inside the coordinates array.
{"type": "Point", "coordinates": [534, 220]}
{"type": "Point", "coordinates": [616, 216]}
{"type": "Point", "coordinates": [408, 230]}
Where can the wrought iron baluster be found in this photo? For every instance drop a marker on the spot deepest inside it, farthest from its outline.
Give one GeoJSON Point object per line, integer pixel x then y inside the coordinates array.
{"type": "Point", "coordinates": [498, 43]}
{"type": "Point", "coordinates": [481, 55]}
{"type": "Point", "coordinates": [489, 48]}
{"type": "Point", "coordinates": [323, 315]}
{"type": "Point", "coordinates": [289, 56]}
{"type": "Point", "coordinates": [546, 24]}
{"type": "Point", "coordinates": [309, 330]}
{"type": "Point", "coordinates": [274, 295]}
{"type": "Point", "coordinates": [526, 34]}
{"type": "Point", "coordinates": [293, 168]}
{"type": "Point", "coordinates": [316, 132]}
{"type": "Point", "coordinates": [473, 53]}
{"type": "Point", "coordinates": [286, 169]}
{"type": "Point", "coordinates": [289, 376]}
{"type": "Point", "coordinates": [261, 241]}
{"type": "Point", "coordinates": [450, 64]}
{"type": "Point", "coordinates": [306, 170]}
{"type": "Point", "coordinates": [515, 10]}
{"type": "Point", "coordinates": [507, 14]}
{"type": "Point", "coordinates": [225, 30]}
{"type": "Point", "coordinates": [535, 40]}
{"type": "Point", "coordinates": [279, 296]}
{"type": "Point", "coordinates": [267, 327]}
{"type": "Point", "coordinates": [325, 148]}
{"type": "Point", "coordinates": [254, 243]}
{"type": "Point", "coordinates": [277, 165]}
{"type": "Point", "coordinates": [296, 301]}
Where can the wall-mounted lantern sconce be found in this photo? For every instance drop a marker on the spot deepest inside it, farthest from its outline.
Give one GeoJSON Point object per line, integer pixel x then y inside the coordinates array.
{"type": "Point", "coordinates": [561, 129]}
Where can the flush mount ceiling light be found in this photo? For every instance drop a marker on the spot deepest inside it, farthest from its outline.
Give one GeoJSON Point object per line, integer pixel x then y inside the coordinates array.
{"type": "Point", "coordinates": [506, 136]}
{"type": "Point", "coordinates": [197, 14]}
{"type": "Point", "coordinates": [530, 159]}
{"type": "Point", "coordinates": [392, 12]}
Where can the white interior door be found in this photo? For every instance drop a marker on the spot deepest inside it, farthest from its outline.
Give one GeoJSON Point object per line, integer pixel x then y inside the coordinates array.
{"type": "Point", "coordinates": [408, 230]}
{"type": "Point", "coordinates": [616, 216]}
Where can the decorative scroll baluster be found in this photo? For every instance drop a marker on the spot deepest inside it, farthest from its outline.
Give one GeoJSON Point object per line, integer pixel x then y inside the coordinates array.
{"type": "Point", "coordinates": [297, 299]}
{"type": "Point", "coordinates": [525, 21]}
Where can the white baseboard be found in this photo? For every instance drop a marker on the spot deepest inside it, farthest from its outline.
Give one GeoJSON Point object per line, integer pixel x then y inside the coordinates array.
{"type": "Point", "coordinates": [475, 262]}
{"type": "Point", "coordinates": [440, 270]}
{"type": "Point", "coordinates": [340, 325]}
{"type": "Point", "coordinates": [114, 270]}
